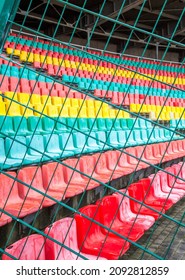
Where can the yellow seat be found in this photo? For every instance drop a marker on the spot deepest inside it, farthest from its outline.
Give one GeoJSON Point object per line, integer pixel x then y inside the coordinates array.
{"type": "Point", "coordinates": [112, 113]}
{"type": "Point", "coordinates": [63, 111]}
{"type": "Point", "coordinates": [10, 96]}
{"type": "Point", "coordinates": [82, 112]}
{"type": "Point", "coordinates": [46, 100]}
{"type": "Point", "coordinates": [40, 110]}
{"type": "Point", "coordinates": [91, 112]}
{"type": "Point", "coordinates": [73, 112]}
{"type": "Point", "coordinates": [55, 100]}
{"type": "Point", "coordinates": [52, 111]}
{"type": "Point", "coordinates": [2, 109]}
{"type": "Point", "coordinates": [9, 51]}
{"type": "Point", "coordinates": [105, 113]}
{"type": "Point", "coordinates": [23, 56]}
{"type": "Point", "coordinates": [35, 99]}
{"type": "Point", "coordinates": [13, 109]}
{"type": "Point", "coordinates": [74, 102]}
{"type": "Point", "coordinates": [23, 98]}
{"type": "Point", "coordinates": [66, 101]}
{"type": "Point", "coordinates": [26, 112]}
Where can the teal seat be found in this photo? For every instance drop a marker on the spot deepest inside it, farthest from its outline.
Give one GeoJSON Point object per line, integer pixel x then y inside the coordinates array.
{"type": "Point", "coordinates": [101, 137]}
{"type": "Point", "coordinates": [61, 125]}
{"type": "Point", "coordinates": [66, 143]}
{"type": "Point", "coordinates": [92, 142]}
{"type": "Point", "coordinates": [92, 124]}
{"type": "Point", "coordinates": [72, 124]}
{"type": "Point", "coordinates": [101, 124]}
{"type": "Point", "coordinates": [6, 126]}
{"type": "Point", "coordinates": [35, 125]}
{"type": "Point", "coordinates": [112, 139]}
{"type": "Point", "coordinates": [109, 124]}
{"type": "Point", "coordinates": [6, 162]}
{"type": "Point", "coordinates": [82, 124]}
{"type": "Point", "coordinates": [20, 126]}
{"type": "Point", "coordinates": [52, 147]}
{"type": "Point", "coordinates": [17, 150]}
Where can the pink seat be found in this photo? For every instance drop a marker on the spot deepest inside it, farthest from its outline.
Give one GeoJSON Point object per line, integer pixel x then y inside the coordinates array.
{"type": "Point", "coordinates": [32, 176]}
{"type": "Point", "coordinates": [27, 248]}
{"type": "Point", "coordinates": [162, 187]}
{"type": "Point", "coordinates": [92, 240]}
{"type": "Point", "coordinates": [4, 219]}
{"type": "Point", "coordinates": [154, 196]}
{"type": "Point", "coordinates": [10, 200]}
{"type": "Point", "coordinates": [64, 231]}
{"type": "Point", "coordinates": [109, 213]}
{"type": "Point", "coordinates": [53, 178]}
{"type": "Point", "coordinates": [126, 214]}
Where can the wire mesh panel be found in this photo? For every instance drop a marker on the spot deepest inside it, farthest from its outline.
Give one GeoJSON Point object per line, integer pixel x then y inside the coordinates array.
{"type": "Point", "coordinates": [92, 139]}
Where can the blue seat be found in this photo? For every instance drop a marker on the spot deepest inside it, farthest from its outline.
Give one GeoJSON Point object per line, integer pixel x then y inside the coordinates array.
{"type": "Point", "coordinates": [61, 124]}
{"type": "Point", "coordinates": [92, 124]}
{"type": "Point", "coordinates": [101, 137]}
{"type": "Point", "coordinates": [101, 124]}
{"type": "Point", "coordinates": [82, 124]}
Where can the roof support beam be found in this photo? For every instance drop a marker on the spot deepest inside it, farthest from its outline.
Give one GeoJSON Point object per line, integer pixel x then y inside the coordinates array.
{"type": "Point", "coordinates": [127, 8]}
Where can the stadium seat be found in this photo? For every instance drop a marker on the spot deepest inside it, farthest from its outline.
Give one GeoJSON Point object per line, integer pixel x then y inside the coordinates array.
{"type": "Point", "coordinates": [126, 214]}
{"type": "Point", "coordinates": [31, 187]}
{"type": "Point", "coordinates": [140, 206]}
{"type": "Point", "coordinates": [65, 232]}
{"type": "Point", "coordinates": [91, 239]}
{"type": "Point", "coordinates": [109, 213]}
{"type": "Point", "coordinates": [53, 180]}
{"type": "Point", "coordinates": [31, 247]}
{"type": "Point", "coordinates": [10, 200]}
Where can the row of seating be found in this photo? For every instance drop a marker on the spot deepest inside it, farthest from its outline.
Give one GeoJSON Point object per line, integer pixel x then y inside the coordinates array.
{"type": "Point", "coordinates": [103, 230]}
{"type": "Point", "coordinates": [26, 126]}
{"type": "Point", "coordinates": [125, 99]}
{"type": "Point", "coordinates": [18, 150]}
{"type": "Point", "coordinates": [38, 44]}
{"type": "Point", "coordinates": [72, 176]}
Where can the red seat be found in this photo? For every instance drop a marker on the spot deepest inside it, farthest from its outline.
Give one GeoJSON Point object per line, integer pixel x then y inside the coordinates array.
{"type": "Point", "coordinates": [134, 158]}
{"type": "Point", "coordinates": [28, 248]}
{"type": "Point", "coordinates": [142, 207]}
{"type": "Point", "coordinates": [154, 196]}
{"type": "Point", "coordinates": [64, 231]}
{"type": "Point", "coordinates": [100, 167]}
{"type": "Point", "coordinates": [126, 214]}
{"type": "Point", "coordinates": [92, 240]}
{"type": "Point", "coordinates": [32, 176]}
{"type": "Point", "coordinates": [53, 179]}
{"type": "Point", "coordinates": [10, 200]}
{"type": "Point", "coordinates": [109, 213]}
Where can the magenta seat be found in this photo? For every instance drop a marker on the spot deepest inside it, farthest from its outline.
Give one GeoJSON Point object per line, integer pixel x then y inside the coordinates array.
{"type": "Point", "coordinates": [27, 248]}
{"type": "Point", "coordinates": [109, 213]}
{"type": "Point", "coordinates": [93, 241]}
{"type": "Point", "coordinates": [64, 231]}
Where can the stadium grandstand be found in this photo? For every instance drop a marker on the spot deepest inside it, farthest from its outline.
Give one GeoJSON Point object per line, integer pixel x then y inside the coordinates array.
{"type": "Point", "coordinates": [92, 130]}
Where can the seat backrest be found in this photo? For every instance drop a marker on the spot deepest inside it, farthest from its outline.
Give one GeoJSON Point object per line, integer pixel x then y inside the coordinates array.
{"type": "Point", "coordinates": [124, 205]}
{"type": "Point", "coordinates": [53, 176]}
{"type": "Point", "coordinates": [70, 175]}
{"type": "Point", "coordinates": [8, 189]}
{"type": "Point", "coordinates": [112, 159]}
{"type": "Point", "coordinates": [63, 231]}
{"type": "Point", "coordinates": [31, 176]}
{"type": "Point", "coordinates": [108, 208]}
{"type": "Point", "coordinates": [27, 248]}
{"type": "Point", "coordinates": [85, 227]}
{"type": "Point", "coordinates": [16, 148]}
